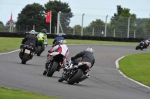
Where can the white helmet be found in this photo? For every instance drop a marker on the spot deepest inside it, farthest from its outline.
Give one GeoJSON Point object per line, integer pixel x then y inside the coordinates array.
{"type": "Point", "coordinates": [90, 49]}
{"type": "Point", "coordinates": [59, 34]}
{"type": "Point", "coordinates": [32, 32]}
{"type": "Point", "coordinates": [62, 41]}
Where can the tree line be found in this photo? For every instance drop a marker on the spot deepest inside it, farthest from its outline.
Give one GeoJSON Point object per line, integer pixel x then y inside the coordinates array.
{"type": "Point", "coordinates": [34, 14]}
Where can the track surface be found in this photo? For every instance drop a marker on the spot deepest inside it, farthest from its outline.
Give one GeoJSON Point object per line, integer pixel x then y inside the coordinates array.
{"type": "Point", "coordinates": [105, 81]}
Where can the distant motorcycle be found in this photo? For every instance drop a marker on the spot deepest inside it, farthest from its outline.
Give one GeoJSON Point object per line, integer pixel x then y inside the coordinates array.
{"type": "Point", "coordinates": [53, 65]}
{"type": "Point", "coordinates": [76, 73]}
{"type": "Point", "coordinates": [42, 43]}
{"type": "Point", "coordinates": [40, 47]}
{"type": "Point", "coordinates": [26, 53]}
{"type": "Point", "coordinates": [142, 45]}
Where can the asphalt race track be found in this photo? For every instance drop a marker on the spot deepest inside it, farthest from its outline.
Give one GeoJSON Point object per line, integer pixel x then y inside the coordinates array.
{"type": "Point", "coordinates": [105, 81]}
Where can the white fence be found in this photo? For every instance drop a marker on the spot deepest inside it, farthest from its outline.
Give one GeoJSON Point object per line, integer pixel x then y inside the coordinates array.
{"type": "Point", "coordinates": [90, 25]}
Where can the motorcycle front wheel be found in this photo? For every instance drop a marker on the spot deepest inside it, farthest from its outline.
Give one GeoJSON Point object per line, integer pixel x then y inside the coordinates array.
{"type": "Point", "coordinates": [52, 69]}
{"type": "Point", "coordinates": [39, 50]}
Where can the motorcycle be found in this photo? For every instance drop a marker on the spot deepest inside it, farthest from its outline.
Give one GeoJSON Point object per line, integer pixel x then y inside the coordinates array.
{"type": "Point", "coordinates": [53, 65]}
{"type": "Point", "coordinates": [26, 53]}
{"type": "Point", "coordinates": [142, 45]}
{"type": "Point", "coordinates": [41, 46]}
{"type": "Point", "coordinates": [76, 73]}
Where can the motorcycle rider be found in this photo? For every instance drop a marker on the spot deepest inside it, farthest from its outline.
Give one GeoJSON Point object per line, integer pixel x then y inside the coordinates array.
{"type": "Point", "coordinates": [44, 31]}
{"type": "Point", "coordinates": [57, 39]}
{"type": "Point", "coordinates": [42, 38]}
{"type": "Point", "coordinates": [58, 49]}
{"type": "Point", "coordinates": [84, 56]}
{"type": "Point", "coordinates": [30, 39]}
{"type": "Point", "coordinates": [147, 42]}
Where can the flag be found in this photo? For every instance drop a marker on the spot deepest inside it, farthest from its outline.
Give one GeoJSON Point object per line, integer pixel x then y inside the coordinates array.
{"type": "Point", "coordinates": [10, 18]}
{"type": "Point", "coordinates": [48, 17]}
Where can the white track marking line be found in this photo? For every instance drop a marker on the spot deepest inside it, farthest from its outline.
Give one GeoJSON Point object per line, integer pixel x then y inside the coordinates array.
{"type": "Point", "coordinates": [117, 67]}
{"type": "Point", "coordinates": [10, 52]}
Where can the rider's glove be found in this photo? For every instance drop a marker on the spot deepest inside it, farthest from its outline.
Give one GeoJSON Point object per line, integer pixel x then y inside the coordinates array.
{"type": "Point", "coordinates": [49, 51]}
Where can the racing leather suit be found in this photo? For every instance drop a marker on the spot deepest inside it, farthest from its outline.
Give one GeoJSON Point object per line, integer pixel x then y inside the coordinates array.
{"type": "Point", "coordinates": [59, 49]}
{"type": "Point", "coordinates": [30, 39]}
{"type": "Point", "coordinates": [85, 56]}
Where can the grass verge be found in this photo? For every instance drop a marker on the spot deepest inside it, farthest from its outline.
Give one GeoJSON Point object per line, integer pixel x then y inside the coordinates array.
{"type": "Point", "coordinates": [137, 67]}
{"type": "Point", "coordinates": [18, 94]}
{"type": "Point", "coordinates": [8, 44]}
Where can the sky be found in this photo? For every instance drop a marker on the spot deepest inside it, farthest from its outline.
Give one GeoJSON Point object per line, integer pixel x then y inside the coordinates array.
{"type": "Point", "coordinates": [92, 9]}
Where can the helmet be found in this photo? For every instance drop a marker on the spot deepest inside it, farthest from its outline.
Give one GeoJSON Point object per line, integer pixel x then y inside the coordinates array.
{"type": "Point", "coordinates": [59, 34]}
{"type": "Point", "coordinates": [44, 31]}
{"type": "Point", "coordinates": [62, 41]}
{"type": "Point", "coordinates": [32, 32]}
{"type": "Point", "coordinates": [148, 39]}
{"type": "Point", "coordinates": [90, 49]}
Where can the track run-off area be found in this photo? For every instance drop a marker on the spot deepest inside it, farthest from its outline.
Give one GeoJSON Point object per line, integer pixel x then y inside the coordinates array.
{"type": "Point", "coordinates": [105, 82]}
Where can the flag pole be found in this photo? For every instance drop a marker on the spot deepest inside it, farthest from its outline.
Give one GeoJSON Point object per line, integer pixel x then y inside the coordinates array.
{"type": "Point", "coordinates": [50, 21]}
{"type": "Point", "coordinates": [10, 22]}
{"type": "Point", "coordinates": [12, 29]}
{"type": "Point", "coordinates": [10, 26]}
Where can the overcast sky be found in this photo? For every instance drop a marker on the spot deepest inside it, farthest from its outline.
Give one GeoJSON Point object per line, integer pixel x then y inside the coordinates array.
{"type": "Point", "coordinates": [93, 9]}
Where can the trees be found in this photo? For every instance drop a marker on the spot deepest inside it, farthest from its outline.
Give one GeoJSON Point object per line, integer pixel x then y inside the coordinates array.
{"type": "Point", "coordinates": [120, 20]}
{"type": "Point", "coordinates": [1, 26]}
{"type": "Point", "coordinates": [4, 28]}
{"type": "Point", "coordinates": [32, 14]}
{"type": "Point", "coordinates": [77, 29]}
{"type": "Point", "coordinates": [147, 26]}
{"type": "Point", "coordinates": [56, 6]}
{"type": "Point", "coordinates": [98, 26]}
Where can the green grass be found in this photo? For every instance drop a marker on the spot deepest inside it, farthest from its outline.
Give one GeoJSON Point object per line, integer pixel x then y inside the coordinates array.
{"type": "Point", "coordinates": [18, 94]}
{"type": "Point", "coordinates": [137, 67]}
{"type": "Point", "coordinates": [8, 44]}
{"type": "Point", "coordinates": [70, 41]}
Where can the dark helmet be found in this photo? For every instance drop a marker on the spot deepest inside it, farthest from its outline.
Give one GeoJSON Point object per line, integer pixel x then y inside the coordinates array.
{"type": "Point", "coordinates": [44, 31]}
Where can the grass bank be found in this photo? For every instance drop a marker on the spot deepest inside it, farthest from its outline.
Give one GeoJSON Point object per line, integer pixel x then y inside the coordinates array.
{"type": "Point", "coordinates": [18, 94]}
{"type": "Point", "coordinates": [137, 67]}
{"type": "Point", "coordinates": [8, 44]}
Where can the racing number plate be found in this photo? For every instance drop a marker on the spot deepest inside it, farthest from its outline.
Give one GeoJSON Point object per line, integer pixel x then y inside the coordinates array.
{"type": "Point", "coordinates": [27, 51]}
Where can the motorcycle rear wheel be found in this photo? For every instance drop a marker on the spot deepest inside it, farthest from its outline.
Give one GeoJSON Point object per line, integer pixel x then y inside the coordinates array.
{"type": "Point", "coordinates": [75, 78]}
{"type": "Point", "coordinates": [24, 59]}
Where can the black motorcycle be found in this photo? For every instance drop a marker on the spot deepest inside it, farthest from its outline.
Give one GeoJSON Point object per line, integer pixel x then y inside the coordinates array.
{"type": "Point", "coordinates": [142, 45]}
{"type": "Point", "coordinates": [53, 65]}
{"type": "Point", "coordinates": [40, 49]}
{"type": "Point", "coordinates": [26, 53]}
{"type": "Point", "coordinates": [76, 73]}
